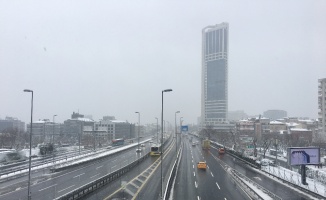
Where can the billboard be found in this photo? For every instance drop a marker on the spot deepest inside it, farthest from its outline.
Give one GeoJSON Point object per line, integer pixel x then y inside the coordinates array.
{"type": "Point", "coordinates": [184, 128]}
{"type": "Point", "coordinates": [303, 155]}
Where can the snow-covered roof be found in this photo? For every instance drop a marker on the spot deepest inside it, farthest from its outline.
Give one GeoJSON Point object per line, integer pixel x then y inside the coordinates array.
{"type": "Point", "coordinates": [118, 121]}
{"type": "Point", "coordinates": [276, 123]}
{"type": "Point", "coordinates": [299, 129]}
{"type": "Point", "coordinates": [85, 119]}
{"type": "Point", "coordinates": [292, 124]}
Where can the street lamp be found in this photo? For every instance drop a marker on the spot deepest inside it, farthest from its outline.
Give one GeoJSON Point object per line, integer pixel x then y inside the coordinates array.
{"type": "Point", "coordinates": [156, 129]}
{"type": "Point", "coordinates": [53, 140]}
{"type": "Point", "coordinates": [138, 128]}
{"type": "Point", "coordinates": [175, 128]}
{"type": "Point", "coordinates": [162, 149]}
{"type": "Point", "coordinates": [181, 124]}
{"type": "Point", "coordinates": [53, 130]}
{"type": "Point", "coordinates": [30, 148]}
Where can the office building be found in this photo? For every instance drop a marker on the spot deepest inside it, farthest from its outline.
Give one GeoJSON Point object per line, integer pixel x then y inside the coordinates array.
{"type": "Point", "coordinates": [275, 114]}
{"type": "Point", "coordinates": [214, 97]}
{"type": "Point", "coordinates": [322, 107]}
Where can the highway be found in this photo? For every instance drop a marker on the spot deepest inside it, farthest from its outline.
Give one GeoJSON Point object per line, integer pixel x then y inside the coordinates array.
{"type": "Point", "coordinates": [254, 175]}
{"type": "Point", "coordinates": [51, 185]}
{"type": "Point", "coordinates": [142, 182]}
{"type": "Point", "coordinates": [192, 183]}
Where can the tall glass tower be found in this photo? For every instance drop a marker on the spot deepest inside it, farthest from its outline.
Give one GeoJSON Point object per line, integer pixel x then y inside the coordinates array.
{"type": "Point", "coordinates": [214, 97]}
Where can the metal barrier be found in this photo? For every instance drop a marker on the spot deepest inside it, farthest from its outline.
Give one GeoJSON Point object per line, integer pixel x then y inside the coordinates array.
{"type": "Point", "coordinates": [91, 187]}
{"type": "Point", "coordinates": [237, 176]}
{"type": "Point", "coordinates": [172, 176]}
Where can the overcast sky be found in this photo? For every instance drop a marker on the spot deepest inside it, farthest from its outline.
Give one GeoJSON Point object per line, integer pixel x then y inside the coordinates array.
{"type": "Point", "coordinates": [115, 57]}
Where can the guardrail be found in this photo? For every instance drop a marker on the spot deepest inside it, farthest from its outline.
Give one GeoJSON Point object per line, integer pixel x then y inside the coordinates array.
{"type": "Point", "coordinates": [237, 176]}
{"type": "Point", "coordinates": [91, 187]}
{"type": "Point", "coordinates": [61, 167]}
{"type": "Point", "coordinates": [172, 176]}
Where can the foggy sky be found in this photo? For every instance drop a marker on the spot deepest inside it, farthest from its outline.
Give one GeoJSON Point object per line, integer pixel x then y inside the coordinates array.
{"type": "Point", "coordinates": [115, 57]}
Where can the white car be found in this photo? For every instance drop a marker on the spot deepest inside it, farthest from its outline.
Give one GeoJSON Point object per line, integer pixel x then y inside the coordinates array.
{"type": "Point", "coordinates": [142, 145]}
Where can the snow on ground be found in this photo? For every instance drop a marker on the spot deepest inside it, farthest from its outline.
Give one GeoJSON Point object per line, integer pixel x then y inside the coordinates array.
{"type": "Point", "coordinates": [73, 160]}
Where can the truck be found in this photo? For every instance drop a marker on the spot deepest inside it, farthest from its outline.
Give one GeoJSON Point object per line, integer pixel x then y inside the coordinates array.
{"type": "Point", "coordinates": [206, 144]}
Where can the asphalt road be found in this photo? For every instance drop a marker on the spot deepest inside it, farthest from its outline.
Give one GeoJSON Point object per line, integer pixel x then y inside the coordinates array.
{"type": "Point", "coordinates": [286, 193]}
{"type": "Point", "coordinates": [52, 185]}
{"type": "Point", "coordinates": [193, 183]}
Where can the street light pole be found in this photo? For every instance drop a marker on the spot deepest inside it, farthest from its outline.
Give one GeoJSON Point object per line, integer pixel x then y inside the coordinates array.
{"type": "Point", "coordinates": [53, 140]}
{"type": "Point", "coordinates": [156, 129]}
{"type": "Point", "coordinates": [175, 130]}
{"type": "Point", "coordinates": [53, 130]}
{"type": "Point", "coordinates": [181, 124]}
{"type": "Point", "coordinates": [162, 149]}
{"type": "Point", "coordinates": [138, 128]}
{"type": "Point", "coordinates": [30, 148]}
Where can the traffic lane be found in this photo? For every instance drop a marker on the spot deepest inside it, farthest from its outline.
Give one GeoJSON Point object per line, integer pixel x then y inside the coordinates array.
{"type": "Point", "coordinates": [69, 177]}
{"type": "Point", "coordinates": [221, 179]}
{"type": "Point", "coordinates": [152, 189]}
{"type": "Point", "coordinates": [116, 185]}
{"type": "Point", "coordinates": [110, 188]}
{"type": "Point", "coordinates": [264, 181]}
{"type": "Point", "coordinates": [214, 183]}
{"type": "Point", "coordinates": [186, 184]}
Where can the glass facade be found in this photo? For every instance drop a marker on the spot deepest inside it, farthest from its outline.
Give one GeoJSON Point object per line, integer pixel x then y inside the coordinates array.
{"type": "Point", "coordinates": [214, 76]}
{"type": "Point", "coordinates": [216, 80]}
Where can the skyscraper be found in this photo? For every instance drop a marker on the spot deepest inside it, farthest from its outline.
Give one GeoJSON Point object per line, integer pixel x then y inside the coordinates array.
{"type": "Point", "coordinates": [322, 107]}
{"type": "Point", "coordinates": [214, 97]}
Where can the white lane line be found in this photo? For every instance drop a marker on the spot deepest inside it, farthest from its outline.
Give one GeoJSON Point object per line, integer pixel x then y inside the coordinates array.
{"type": "Point", "coordinates": [99, 167]}
{"type": "Point", "coordinates": [79, 175]}
{"type": "Point", "coordinates": [218, 186]}
{"type": "Point", "coordinates": [207, 167]}
{"type": "Point", "coordinates": [47, 187]}
{"type": "Point", "coordinates": [95, 175]}
{"type": "Point", "coordinates": [225, 199]}
{"type": "Point", "coordinates": [193, 166]}
{"type": "Point", "coordinates": [212, 174]}
{"type": "Point", "coordinates": [198, 198]}
{"type": "Point", "coordinates": [66, 188]}
{"type": "Point", "coordinates": [196, 184]}
{"type": "Point", "coordinates": [192, 160]}
{"type": "Point", "coordinates": [194, 173]}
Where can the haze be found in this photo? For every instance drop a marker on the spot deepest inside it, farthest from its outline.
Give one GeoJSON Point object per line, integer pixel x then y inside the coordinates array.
{"type": "Point", "coordinates": [115, 57]}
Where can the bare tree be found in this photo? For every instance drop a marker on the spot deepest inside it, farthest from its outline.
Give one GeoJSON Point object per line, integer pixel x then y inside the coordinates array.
{"type": "Point", "coordinates": [266, 144]}
{"type": "Point", "coordinates": [207, 132]}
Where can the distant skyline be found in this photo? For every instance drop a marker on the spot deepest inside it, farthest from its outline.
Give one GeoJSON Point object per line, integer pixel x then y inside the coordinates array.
{"type": "Point", "coordinates": [115, 57]}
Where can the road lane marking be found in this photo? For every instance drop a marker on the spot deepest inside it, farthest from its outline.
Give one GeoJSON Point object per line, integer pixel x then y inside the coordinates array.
{"type": "Point", "coordinates": [194, 173]}
{"type": "Point", "coordinates": [193, 166]}
{"type": "Point", "coordinates": [192, 160]}
{"type": "Point", "coordinates": [212, 174]}
{"type": "Point", "coordinates": [207, 167]}
{"type": "Point", "coordinates": [218, 186]}
{"type": "Point", "coordinates": [66, 188]}
{"type": "Point", "coordinates": [198, 198]}
{"type": "Point", "coordinates": [47, 187]}
{"type": "Point", "coordinates": [196, 184]}
{"type": "Point", "coordinates": [79, 175]}
{"type": "Point", "coordinates": [95, 175]}
{"type": "Point", "coordinates": [225, 199]}
{"type": "Point", "coordinates": [99, 167]}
